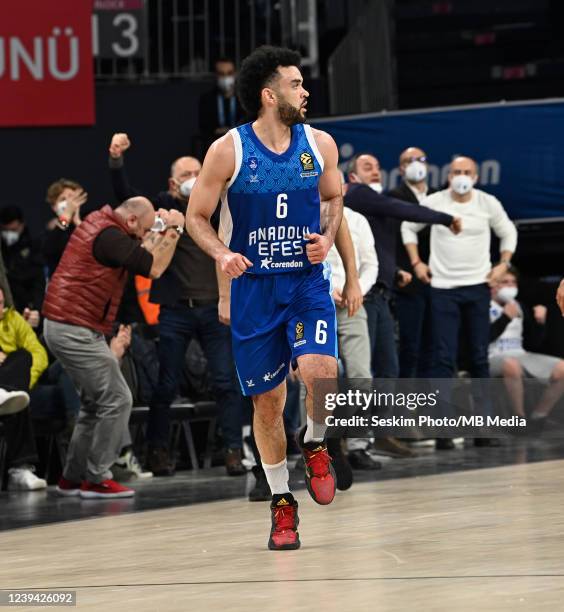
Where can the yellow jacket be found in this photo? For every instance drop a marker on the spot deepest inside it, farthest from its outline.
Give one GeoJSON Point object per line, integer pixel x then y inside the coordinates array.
{"type": "Point", "coordinates": [16, 333]}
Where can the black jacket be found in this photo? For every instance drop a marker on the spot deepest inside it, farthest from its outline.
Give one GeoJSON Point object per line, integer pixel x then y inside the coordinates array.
{"type": "Point", "coordinates": [385, 215]}
{"type": "Point", "coordinates": [404, 193]}
{"type": "Point", "coordinates": [24, 270]}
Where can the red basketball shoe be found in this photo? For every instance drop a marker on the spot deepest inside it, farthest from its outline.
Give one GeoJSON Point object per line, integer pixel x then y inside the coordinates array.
{"type": "Point", "coordinates": [284, 533]}
{"type": "Point", "coordinates": [320, 476]}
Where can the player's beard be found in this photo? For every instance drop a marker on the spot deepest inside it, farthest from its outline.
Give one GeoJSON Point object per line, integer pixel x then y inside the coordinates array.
{"type": "Point", "coordinates": [289, 115]}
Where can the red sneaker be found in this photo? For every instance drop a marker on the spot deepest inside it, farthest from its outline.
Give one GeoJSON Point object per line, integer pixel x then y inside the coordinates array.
{"type": "Point", "coordinates": [67, 488]}
{"type": "Point", "coordinates": [107, 489]}
{"type": "Point", "coordinates": [320, 476]}
{"type": "Point", "coordinates": [284, 533]}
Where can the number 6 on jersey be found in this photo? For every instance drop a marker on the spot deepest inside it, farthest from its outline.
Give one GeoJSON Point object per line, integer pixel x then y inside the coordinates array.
{"type": "Point", "coordinates": [282, 205]}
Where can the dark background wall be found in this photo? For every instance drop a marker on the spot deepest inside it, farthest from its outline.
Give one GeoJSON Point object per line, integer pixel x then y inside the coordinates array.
{"type": "Point", "coordinates": [161, 120]}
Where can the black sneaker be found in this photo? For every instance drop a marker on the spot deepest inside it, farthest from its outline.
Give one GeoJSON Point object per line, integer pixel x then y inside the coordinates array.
{"type": "Point", "coordinates": [284, 532]}
{"type": "Point", "coordinates": [341, 465]}
{"type": "Point", "coordinates": [360, 460]}
{"type": "Point", "coordinates": [320, 476]}
{"type": "Point", "coordinates": [261, 490]}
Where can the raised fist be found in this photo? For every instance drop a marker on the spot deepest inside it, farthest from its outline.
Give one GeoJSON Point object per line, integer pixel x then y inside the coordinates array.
{"type": "Point", "coordinates": [120, 143]}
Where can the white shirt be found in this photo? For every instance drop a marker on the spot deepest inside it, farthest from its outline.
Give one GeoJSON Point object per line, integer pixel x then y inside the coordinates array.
{"type": "Point", "coordinates": [510, 342]}
{"type": "Point", "coordinates": [463, 260]}
{"type": "Point", "coordinates": [364, 251]}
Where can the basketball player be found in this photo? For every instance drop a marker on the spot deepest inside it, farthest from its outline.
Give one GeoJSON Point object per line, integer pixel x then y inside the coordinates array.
{"type": "Point", "coordinates": [281, 208]}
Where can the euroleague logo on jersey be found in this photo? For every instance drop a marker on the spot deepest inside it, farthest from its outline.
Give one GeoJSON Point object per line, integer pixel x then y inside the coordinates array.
{"type": "Point", "coordinates": [308, 167]}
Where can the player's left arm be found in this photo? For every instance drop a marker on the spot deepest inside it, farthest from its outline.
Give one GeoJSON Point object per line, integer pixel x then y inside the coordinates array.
{"type": "Point", "coordinates": [331, 196]}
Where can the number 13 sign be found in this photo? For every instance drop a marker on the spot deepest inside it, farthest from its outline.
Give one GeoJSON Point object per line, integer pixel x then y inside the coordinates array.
{"type": "Point", "coordinates": [118, 29]}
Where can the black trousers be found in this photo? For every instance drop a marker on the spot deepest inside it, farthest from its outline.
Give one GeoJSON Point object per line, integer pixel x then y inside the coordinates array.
{"type": "Point", "coordinates": [14, 376]}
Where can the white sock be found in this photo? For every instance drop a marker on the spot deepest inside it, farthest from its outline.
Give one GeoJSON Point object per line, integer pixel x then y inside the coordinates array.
{"type": "Point", "coordinates": [277, 477]}
{"type": "Point", "coordinates": [319, 430]}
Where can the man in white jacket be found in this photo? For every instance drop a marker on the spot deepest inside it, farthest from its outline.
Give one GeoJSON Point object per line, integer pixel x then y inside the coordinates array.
{"type": "Point", "coordinates": [460, 267]}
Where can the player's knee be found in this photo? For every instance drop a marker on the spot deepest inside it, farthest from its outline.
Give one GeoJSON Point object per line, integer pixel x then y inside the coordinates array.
{"type": "Point", "coordinates": [511, 368]}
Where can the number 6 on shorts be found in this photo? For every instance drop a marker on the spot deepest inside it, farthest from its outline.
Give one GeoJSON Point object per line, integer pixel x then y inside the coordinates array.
{"type": "Point", "coordinates": [320, 332]}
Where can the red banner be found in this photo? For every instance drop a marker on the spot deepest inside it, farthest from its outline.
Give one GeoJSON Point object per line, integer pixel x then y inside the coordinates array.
{"type": "Point", "coordinates": [46, 67]}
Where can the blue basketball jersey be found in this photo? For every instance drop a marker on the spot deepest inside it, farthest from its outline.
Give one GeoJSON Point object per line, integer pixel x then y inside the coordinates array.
{"type": "Point", "coordinates": [272, 201]}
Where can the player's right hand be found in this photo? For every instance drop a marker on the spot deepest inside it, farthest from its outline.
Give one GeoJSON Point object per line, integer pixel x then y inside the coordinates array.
{"type": "Point", "coordinates": [120, 143]}
{"type": "Point", "coordinates": [234, 264]}
{"type": "Point", "coordinates": [423, 273]}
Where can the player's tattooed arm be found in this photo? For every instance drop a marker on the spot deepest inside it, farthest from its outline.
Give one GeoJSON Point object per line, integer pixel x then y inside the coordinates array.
{"type": "Point", "coordinates": [218, 167]}
{"type": "Point", "coordinates": [330, 189]}
{"type": "Point", "coordinates": [331, 197]}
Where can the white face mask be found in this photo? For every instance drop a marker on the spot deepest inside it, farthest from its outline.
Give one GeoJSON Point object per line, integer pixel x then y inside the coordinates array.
{"type": "Point", "coordinates": [60, 207]}
{"type": "Point", "coordinates": [377, 187]}
{"type": "Point", "coordinates": [187, 186]}
{"type": "Point", "coordinates": [416, 172]}
{"type": "Point", "coordinates": [10, 237]}
{"type": "Point", "coordinates": [461, 184]}
{"type": "Point", "coordinates": [507, 294]}
{"type": "Point", "coordinates": [225, 83]}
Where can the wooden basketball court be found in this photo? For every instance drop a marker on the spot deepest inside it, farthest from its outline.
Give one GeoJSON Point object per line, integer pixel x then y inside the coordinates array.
{"type": "Point", "coordinates": [490, 539]}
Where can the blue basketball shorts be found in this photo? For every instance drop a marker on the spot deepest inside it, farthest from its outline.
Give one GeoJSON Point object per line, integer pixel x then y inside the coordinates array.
{"type": "Point", "coordinates": [278, 317]}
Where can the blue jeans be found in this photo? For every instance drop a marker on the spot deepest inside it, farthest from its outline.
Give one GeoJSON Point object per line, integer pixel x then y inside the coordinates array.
{"type": "Point", "coordinates": [178, 324]}
{"type": "Point", "coordinates": [381, 329]}
{"type": "Point", "coordinates": [413, 310]}
{"type": "Point", "coordinates": [464, 308]}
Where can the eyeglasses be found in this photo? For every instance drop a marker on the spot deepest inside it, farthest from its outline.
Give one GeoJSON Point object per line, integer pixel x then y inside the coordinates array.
{"type": "Point", "coordinates": [408, 160]}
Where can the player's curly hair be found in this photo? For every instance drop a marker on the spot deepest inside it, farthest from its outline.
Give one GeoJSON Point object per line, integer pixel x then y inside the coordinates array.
{"type": "Point", "coordinates": [258, 70]}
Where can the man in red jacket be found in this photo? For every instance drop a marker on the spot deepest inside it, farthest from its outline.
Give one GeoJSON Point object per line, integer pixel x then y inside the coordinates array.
{"type": "Point", "coordinates": [80, 307]}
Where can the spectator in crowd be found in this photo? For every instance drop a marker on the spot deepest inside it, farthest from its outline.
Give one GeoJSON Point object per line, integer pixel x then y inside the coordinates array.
{"type": "Point", "coordinates": [460, 269]}
{"type": "Point", "coordinates": [22, 361]}
{"type": "Point", "coordinates": [188, 297]}
{"type": "Point", "coordinates": [413, 302]}
{"type": "Point", "coordinates": [352, 329]}
{"type": "Point", "coordinates": [219, 109]}
{"type": "Point", "coordinates": [384, 215]}
{"type": "Point", "coordinates": [23, 262]}
{"type": "Point", "coordinates": [515, 332]}
{"type": "Point", "coordinates": [66, 199]}
{"type": "Point", "coordinates": [79, 309]}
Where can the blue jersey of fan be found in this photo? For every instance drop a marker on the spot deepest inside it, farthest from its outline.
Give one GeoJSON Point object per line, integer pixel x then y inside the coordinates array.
{"type": "Point", "coordinates": [272, 201]}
